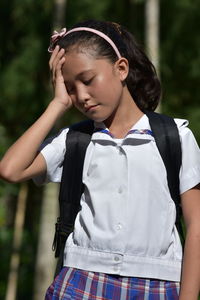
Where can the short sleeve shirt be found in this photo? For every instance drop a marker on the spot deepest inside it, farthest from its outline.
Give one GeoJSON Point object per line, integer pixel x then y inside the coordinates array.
{"type": "Point", "coordinates": [126, 224]}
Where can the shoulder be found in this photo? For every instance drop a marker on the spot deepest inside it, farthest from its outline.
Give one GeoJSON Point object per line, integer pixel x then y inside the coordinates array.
{"type": "Point", "coordinates": [190, 170]}
{"type": "Point", "coordinates": [187, 137]}
{"type": "Point", "coordinates": [182, 125]}
{"type": "Point", "coordinates": [185, 132]}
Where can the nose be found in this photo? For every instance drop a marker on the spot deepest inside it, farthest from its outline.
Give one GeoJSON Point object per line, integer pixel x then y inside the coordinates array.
{"type": "Point", "coordinates": [82, 94]}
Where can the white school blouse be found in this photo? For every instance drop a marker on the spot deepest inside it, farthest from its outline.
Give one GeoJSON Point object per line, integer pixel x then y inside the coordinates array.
{"type": "Point", "coordinates": [126, 224]}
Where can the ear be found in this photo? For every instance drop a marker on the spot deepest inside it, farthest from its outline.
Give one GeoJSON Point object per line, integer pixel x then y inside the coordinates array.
{"type": "Point", "coordinates": [122, 68]}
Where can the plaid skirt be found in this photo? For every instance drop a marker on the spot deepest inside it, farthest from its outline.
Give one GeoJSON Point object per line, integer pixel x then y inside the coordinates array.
{"type": "Point", "coordinates": [81, 285]}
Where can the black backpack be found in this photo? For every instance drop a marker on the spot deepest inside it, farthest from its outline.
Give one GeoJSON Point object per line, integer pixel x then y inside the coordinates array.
{"type": "Point", "coordinates": [167, 140]}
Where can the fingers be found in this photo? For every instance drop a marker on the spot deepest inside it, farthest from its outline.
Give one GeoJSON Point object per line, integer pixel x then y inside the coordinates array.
{"type": "Point", "coordinates": [53, 55]}
{"type": "Point", "coordinates": [55, 63]}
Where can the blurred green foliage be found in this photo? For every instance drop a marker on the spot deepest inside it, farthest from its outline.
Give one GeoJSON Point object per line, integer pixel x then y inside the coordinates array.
{"type": "Point", "coordinates": [180, 60]}
{"type": "Point", "coordinates": [25, 88]}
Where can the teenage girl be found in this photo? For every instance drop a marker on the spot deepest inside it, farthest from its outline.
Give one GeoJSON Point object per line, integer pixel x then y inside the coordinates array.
{"type": "Point", "coordinates": [125, 244]}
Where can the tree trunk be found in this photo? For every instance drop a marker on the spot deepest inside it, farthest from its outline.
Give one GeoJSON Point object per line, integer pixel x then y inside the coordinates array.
{"type": "Point", "coordinates": [152, 31]}
{"type": "Point", "coordinates": [46, 263]}
{"type": "Point", "coordinates": [59, 14]}
{"type": "Point", "coordinates": [152, 34]}
{"type": "Point", "coordinates": [17, 241]}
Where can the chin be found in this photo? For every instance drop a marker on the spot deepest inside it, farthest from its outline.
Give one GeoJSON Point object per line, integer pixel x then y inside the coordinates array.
{"type": "Point", "coordinates": [98, 120]}
{"type": "Point", "coordinates": [95, 118]}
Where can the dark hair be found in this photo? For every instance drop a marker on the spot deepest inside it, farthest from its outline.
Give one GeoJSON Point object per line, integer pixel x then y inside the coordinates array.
{"type": "Point", "coordinates": [142, 80]}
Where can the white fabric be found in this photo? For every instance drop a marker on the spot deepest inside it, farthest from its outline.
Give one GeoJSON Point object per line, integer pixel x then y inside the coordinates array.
{"type": "Point", "coordinates": [126, 223]}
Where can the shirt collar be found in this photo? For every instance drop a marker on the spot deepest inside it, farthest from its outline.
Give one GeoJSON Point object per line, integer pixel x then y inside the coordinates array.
{"type": "Point", "coordinates": [141, 129]}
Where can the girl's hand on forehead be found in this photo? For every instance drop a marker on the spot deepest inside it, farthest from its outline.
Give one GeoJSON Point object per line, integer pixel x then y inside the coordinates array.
{"type": "Point", "coordinates": [55, 64]}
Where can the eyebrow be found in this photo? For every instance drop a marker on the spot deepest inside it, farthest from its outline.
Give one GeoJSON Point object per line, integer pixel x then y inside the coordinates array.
{"type": "Point", "coordinates": [81, 74]}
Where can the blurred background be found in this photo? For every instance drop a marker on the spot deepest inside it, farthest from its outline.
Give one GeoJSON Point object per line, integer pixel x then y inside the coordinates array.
{"type": "Point", "coordinates": [168, 30]}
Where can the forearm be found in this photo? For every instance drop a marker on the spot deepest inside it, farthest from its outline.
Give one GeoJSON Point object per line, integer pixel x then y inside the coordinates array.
{"type": "Point", "coordinates": [190, 282]}
{"type": "Point", "coordinates": [23, 152]}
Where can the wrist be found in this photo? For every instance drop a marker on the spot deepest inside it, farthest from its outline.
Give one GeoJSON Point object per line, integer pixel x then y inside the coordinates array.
{"type": "Point", "coordinates": [58, 107]}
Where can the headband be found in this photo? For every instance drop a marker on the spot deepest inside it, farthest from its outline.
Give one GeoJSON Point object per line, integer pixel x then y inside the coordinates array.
{"type": "Point", "coordinates": [58, 35]}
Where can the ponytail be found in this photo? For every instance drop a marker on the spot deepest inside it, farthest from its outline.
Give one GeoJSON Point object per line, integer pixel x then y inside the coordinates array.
{"type": "Point", "coordinates": [142, 81]}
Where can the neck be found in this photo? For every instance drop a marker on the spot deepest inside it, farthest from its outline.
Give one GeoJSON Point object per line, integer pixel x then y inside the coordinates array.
{"type": "Point", "coordinates": [125, 116]}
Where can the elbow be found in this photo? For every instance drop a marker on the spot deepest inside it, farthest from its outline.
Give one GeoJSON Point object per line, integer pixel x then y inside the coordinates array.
{"type": "Point", "coordinates": [7, 174]}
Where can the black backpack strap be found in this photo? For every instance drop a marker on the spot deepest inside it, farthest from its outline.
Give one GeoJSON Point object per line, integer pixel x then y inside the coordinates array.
{"type": "Point", "coordinates": [167, 139]}
{"type": "Point", "coordinates": [77, 140]}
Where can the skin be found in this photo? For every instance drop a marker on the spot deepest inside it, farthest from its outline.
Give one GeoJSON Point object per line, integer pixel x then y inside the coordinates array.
{"type": "Point", "coordinates": [96, 88]}
{"type": "Point", "coordinates": [22, 161]}
{"type": "Point", "coordinates": [190, 281]}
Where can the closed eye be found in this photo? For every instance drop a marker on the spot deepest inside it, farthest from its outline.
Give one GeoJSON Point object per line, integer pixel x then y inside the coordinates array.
{"type": "Point", "coordinates": [87, 82]}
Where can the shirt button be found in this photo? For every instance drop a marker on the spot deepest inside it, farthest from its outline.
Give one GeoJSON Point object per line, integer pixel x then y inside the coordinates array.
{"type": "Point", "coordinates": [119, 226]}
{"type": "Point", "coordinates": [116, 258]}
{"type": "Point", "coordinates": [120, 190]}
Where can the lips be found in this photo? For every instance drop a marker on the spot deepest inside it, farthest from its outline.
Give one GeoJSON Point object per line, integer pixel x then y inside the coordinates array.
{"type": "Point", "coordinates": [91, 107]}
